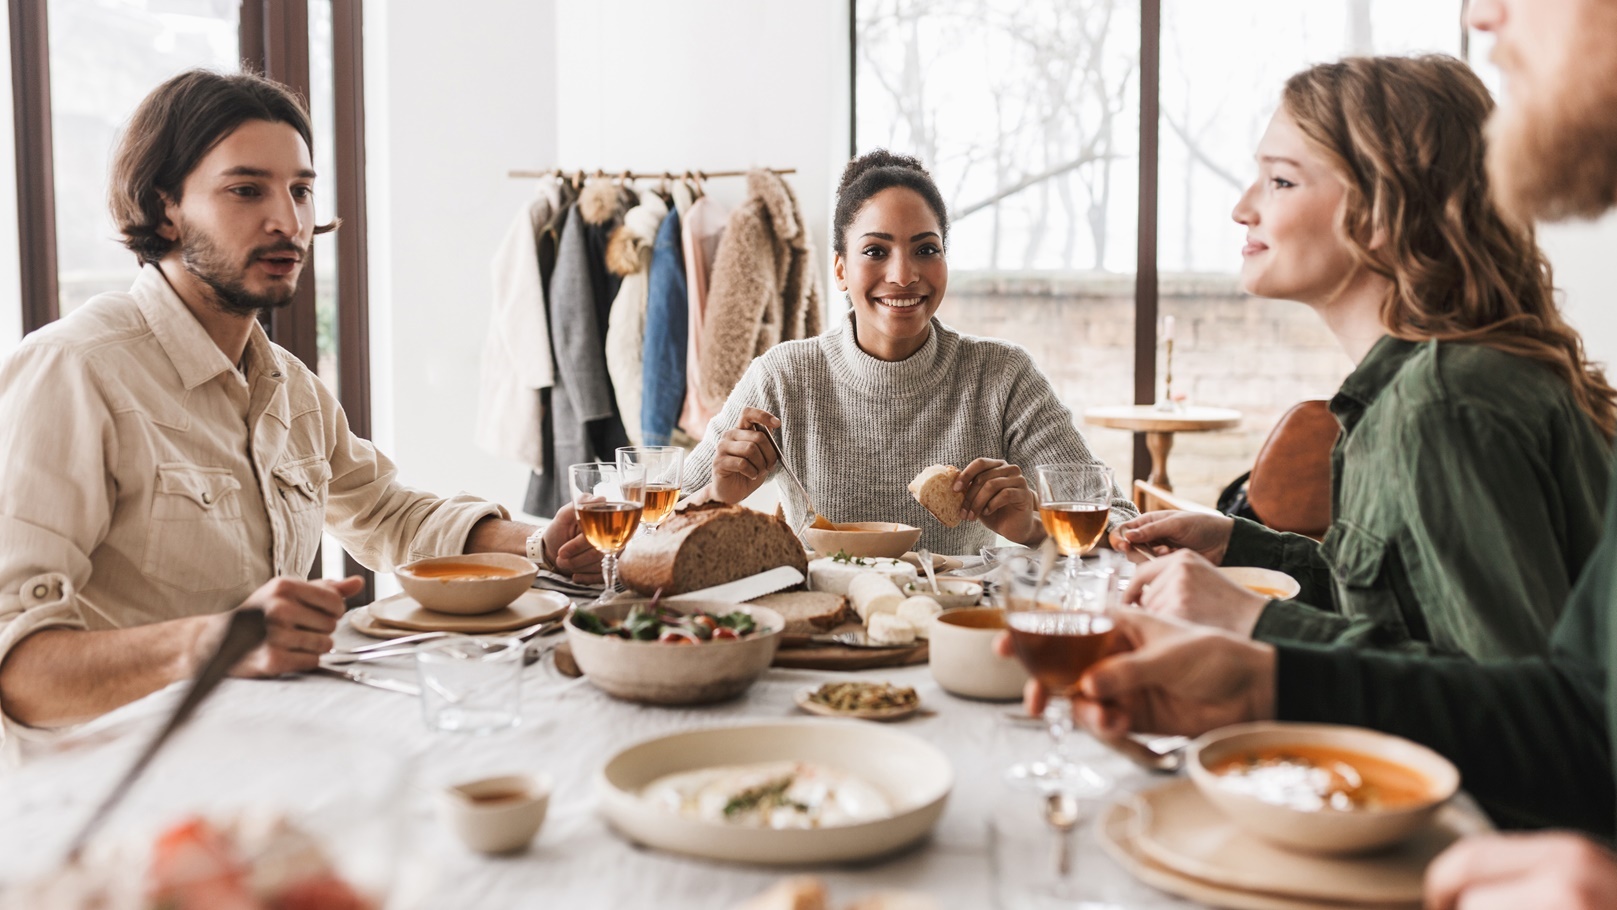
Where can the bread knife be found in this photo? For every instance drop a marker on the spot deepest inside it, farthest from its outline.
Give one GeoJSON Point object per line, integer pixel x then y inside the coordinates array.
{"type": "Point", "coordinates": [745, 589]}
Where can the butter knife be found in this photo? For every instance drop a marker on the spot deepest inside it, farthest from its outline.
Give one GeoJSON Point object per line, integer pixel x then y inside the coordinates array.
{"type": "Point", "coordinates": [375, 682]}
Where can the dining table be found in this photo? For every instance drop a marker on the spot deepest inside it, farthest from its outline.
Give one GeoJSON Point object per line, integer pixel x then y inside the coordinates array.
{"type": "Point", "coordinates": [568, 730]}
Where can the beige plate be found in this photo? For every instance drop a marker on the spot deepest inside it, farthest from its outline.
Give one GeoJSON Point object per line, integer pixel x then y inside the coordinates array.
{"type": "Point", "coordinates": [914, 774]}
{"type": "Point", "coordinates": [805, 700]}
{"type": "Point", "coordinates": [1172, 833]}
{"type": "Point", "coordinates": [400, 612]}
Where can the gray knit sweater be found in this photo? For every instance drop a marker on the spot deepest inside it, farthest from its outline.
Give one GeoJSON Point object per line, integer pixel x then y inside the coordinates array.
{"type": "Point", "coordinates": [857, 430]}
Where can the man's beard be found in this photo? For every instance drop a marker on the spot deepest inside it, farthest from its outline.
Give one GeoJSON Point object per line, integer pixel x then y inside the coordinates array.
{"type": "Point", "coordinates": [1554, 155]}
{"type": "Point", "coordinates": [210, 265]}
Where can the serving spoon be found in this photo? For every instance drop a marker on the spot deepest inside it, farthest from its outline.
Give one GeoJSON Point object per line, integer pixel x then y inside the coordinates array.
{"type": "Point", "coordinates": [780, 457]}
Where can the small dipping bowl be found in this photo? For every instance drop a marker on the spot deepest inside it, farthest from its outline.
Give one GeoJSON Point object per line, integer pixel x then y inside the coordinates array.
{"type": "Point", "coordinates": [962, 655]}
{"type": "Point", "coordinates": [1267, 582]}
{"type": "Point", "coordinates": [497, 814]}
{"type": "Point", "coordinates": [467, 585]}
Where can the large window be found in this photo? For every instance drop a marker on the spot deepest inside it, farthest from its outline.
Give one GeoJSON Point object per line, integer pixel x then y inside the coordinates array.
{"type": "Point", "coordinates": [1028, 114]}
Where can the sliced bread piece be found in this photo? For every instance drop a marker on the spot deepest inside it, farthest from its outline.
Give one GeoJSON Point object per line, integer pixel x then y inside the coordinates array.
{"type": "Point", "coordinates": [709, 545]}
{"type": "Point", "coordinates": [934, 489]}
{"type": "Point", "coordinates": [807, 612]}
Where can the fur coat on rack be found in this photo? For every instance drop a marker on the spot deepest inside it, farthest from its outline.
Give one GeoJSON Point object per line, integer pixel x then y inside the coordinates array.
{"type": "Point", "coordinates": [628, 255]}
{"type": "Point", "coordinates": [765, 287]}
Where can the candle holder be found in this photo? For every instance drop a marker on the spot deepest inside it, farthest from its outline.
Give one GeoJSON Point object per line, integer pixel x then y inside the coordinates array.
{"type": "Point", "coordinates": [1167, 402]}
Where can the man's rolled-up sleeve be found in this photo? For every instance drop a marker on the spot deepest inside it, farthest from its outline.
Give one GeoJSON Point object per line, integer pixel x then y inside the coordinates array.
{"type": "Point", "coordinates": [55, 496]}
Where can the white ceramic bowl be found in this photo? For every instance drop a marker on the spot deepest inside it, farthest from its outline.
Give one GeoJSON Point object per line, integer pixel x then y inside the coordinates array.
{"type": "Point", "coordinates": [1267, 582]}
{"type": "Point", "coordinates": [467, 596]}
{"type": "Point", "coordinates": [668, 674]}
{"type": "Point", "coordinates": [863, 538]}
{"type": "Point", "coordinates": [962, 655]}
{"type": "Point", "coordinates": [498, 814]}
{"type": "Point", "coordinates": [913, 773]}
{"type": "Point", "coordinates": [953, 593]}
{"type": "Point", "coordinates": [1324, 831]}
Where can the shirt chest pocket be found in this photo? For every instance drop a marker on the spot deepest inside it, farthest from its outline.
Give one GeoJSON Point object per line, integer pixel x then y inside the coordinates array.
{"type": "Point", "coordinates": [302, 483]}
{"type": "Point", "coordinates": [1370, 581]}
{"type": "Point", "coordinates": [196, 541]}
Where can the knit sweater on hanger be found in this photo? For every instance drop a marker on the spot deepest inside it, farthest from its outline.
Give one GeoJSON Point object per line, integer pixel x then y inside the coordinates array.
{"type": "Point", "coordinates": [857, 430]}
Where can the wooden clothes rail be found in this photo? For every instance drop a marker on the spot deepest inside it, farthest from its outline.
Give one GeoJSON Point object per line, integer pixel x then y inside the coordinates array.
{"type": "Point", "coordinates": [639, 175]}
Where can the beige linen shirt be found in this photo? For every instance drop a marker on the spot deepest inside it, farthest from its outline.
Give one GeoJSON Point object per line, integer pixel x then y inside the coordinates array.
{"type": "Point", "coordinates": [144, 478]}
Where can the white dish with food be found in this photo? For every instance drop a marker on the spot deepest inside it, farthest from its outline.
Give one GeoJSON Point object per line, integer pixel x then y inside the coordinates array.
{"type": "Point", "coordinates": [876, 791]}
{"type": "Point", "coordinates": [836, 572]}
{"type": "Point", "coordinates": [875, 539]}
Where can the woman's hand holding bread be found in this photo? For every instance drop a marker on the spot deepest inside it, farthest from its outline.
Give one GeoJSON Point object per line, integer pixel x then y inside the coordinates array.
{"type": "Point", "coordinates": [996, 494]}
{"type": "Point", "coordinates": [743, 457]}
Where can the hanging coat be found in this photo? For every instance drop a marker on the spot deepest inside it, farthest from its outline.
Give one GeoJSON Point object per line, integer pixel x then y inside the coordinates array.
{"type": "Point", "coordinates": [667, 325]}
{"type": "Point", "coordinates": [628, 255]}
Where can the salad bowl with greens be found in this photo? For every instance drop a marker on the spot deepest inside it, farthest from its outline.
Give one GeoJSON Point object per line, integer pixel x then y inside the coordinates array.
{"type": "Point", "coordinates": [674, 652]}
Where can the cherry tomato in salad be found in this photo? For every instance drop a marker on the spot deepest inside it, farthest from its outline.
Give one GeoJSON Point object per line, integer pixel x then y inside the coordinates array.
{"type": "Point", "coordinates": [675, 637]}
{"type": "Point", "coordinates": [723, 634]}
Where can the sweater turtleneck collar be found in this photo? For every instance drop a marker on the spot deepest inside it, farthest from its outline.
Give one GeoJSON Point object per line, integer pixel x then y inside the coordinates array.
{"type": "Point", "coordinates": [915, 375]}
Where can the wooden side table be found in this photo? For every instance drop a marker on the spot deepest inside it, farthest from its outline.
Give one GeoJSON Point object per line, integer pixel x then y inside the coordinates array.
{"type": "Point", "coordinates": [1159, 427]}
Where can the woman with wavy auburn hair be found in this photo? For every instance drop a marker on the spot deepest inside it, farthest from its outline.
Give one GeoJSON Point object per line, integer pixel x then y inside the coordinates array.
{"type": "Point", "coordinates": [1474, 455]}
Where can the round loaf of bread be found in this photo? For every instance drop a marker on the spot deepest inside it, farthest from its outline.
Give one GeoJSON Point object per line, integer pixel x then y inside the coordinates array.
{"type": "Point", "coordinates": [709, 545]}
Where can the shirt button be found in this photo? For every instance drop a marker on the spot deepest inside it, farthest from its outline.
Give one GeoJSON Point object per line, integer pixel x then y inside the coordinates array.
{"type": "Point", "coordinates": [276, 375]}
{"type": "Point", "coordinates": [41, 591]}
{"type": "Point", "coordinates": [207, 498]}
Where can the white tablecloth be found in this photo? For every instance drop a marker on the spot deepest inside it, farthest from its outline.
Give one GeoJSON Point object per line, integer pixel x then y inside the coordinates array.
{"type": "Point", "coordinates": [569, 729]}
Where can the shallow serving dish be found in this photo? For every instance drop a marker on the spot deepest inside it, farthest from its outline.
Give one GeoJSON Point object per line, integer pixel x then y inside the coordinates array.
{"type": "Point", "coordinates": [863, 538]}
{"type": "Point", "coordinates": [667, 674]}
{"type": "Point", "coordinates": [952, 594]}
{"type": "Point", "coordinates": [467, 596]}
{"type": "Point", "coordinates": [914, 774]}
{"type": "Point", "coordinates": [1326, 831]}
{"type": "Point", "coordinates": [1267, 582]}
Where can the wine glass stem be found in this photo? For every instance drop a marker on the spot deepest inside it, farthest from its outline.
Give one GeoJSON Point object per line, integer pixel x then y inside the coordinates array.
{"type": "Point", "coordinates": [1058, 714]}
{"type": "Point", "coordinates": [609, 573]}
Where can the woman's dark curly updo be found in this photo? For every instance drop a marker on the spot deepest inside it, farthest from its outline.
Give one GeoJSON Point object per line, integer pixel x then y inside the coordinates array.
{"type": "Point", "coordinates": [873, 172]}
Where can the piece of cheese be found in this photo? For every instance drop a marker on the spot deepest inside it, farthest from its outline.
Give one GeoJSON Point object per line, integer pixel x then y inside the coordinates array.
{"type": "Point", "coordinates": [872, 593]}
{"type": "Point", "coordinates": [885, 628]}
{"type": "Point", "coordinates": [918, 612]}
{"type": "Point", "coordinates": [828, 574]}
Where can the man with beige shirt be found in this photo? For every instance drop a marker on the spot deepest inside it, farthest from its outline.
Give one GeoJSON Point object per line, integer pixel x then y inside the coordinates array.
{"type": "Point", "coordinates": [163, 463]}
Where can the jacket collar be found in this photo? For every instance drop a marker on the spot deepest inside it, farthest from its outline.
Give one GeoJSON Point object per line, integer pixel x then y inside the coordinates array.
{"type": "Point", "coordinates": [1374, 373]}
{"type": "Point", "coordinates": [183, 339]}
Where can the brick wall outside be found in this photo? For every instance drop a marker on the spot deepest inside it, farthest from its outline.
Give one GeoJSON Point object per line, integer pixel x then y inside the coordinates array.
{"type": "Point", "coordinates": [1230, 350]}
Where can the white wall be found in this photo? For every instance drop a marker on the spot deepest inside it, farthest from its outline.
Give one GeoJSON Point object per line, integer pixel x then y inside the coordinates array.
{"type": "Point", "coordinates": [707, 85]}
{"type": "Point", "coordinates": [453, 103]}
{"type": "Point", "coordinates": [1584, 256]}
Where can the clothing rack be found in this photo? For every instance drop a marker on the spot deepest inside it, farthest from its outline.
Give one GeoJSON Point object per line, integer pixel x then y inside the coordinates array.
{"type": "Point", "coordinates": [579, 176]}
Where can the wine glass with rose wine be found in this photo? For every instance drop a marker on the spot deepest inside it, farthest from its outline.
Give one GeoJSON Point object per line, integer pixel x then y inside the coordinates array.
{"type": "Point", "coordinates": [1059, 628]}
{"type": "Point", "coordinates": [609, 500]}
{"type": "Point", "coordinates": [1075, 503]}
{"type": "Point", "coordinates": [662, 465]}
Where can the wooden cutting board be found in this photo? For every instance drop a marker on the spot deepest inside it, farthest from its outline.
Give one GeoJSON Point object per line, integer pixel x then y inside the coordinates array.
{"type": "Point", "coordinates": [814, 657]}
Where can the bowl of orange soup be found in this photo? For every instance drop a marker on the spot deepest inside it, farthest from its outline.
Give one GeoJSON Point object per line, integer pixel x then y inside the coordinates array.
{"type": "Point", "coordinates": [467, 585]}
{"type": "Point", "coordinates": [1321, 788]}
{"type": "Point", "coordinates": [1268, 582]}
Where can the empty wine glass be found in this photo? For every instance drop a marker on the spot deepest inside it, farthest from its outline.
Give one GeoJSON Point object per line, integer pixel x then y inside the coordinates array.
{"type": "Point", "coordinates": [609, 500]}
{"type": "Point", "coordinates": [1059, 628]}
{"type": "Point", "coordinates": [662, 465]}
{"type": "Point", "coordinates": [1075, 504]}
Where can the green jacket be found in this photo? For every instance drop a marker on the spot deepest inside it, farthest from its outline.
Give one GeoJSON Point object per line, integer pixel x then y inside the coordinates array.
{"type": "Point", "coordinates": [1531, 736]}
{"type": "Point", "coordinates": [1466, 494]}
